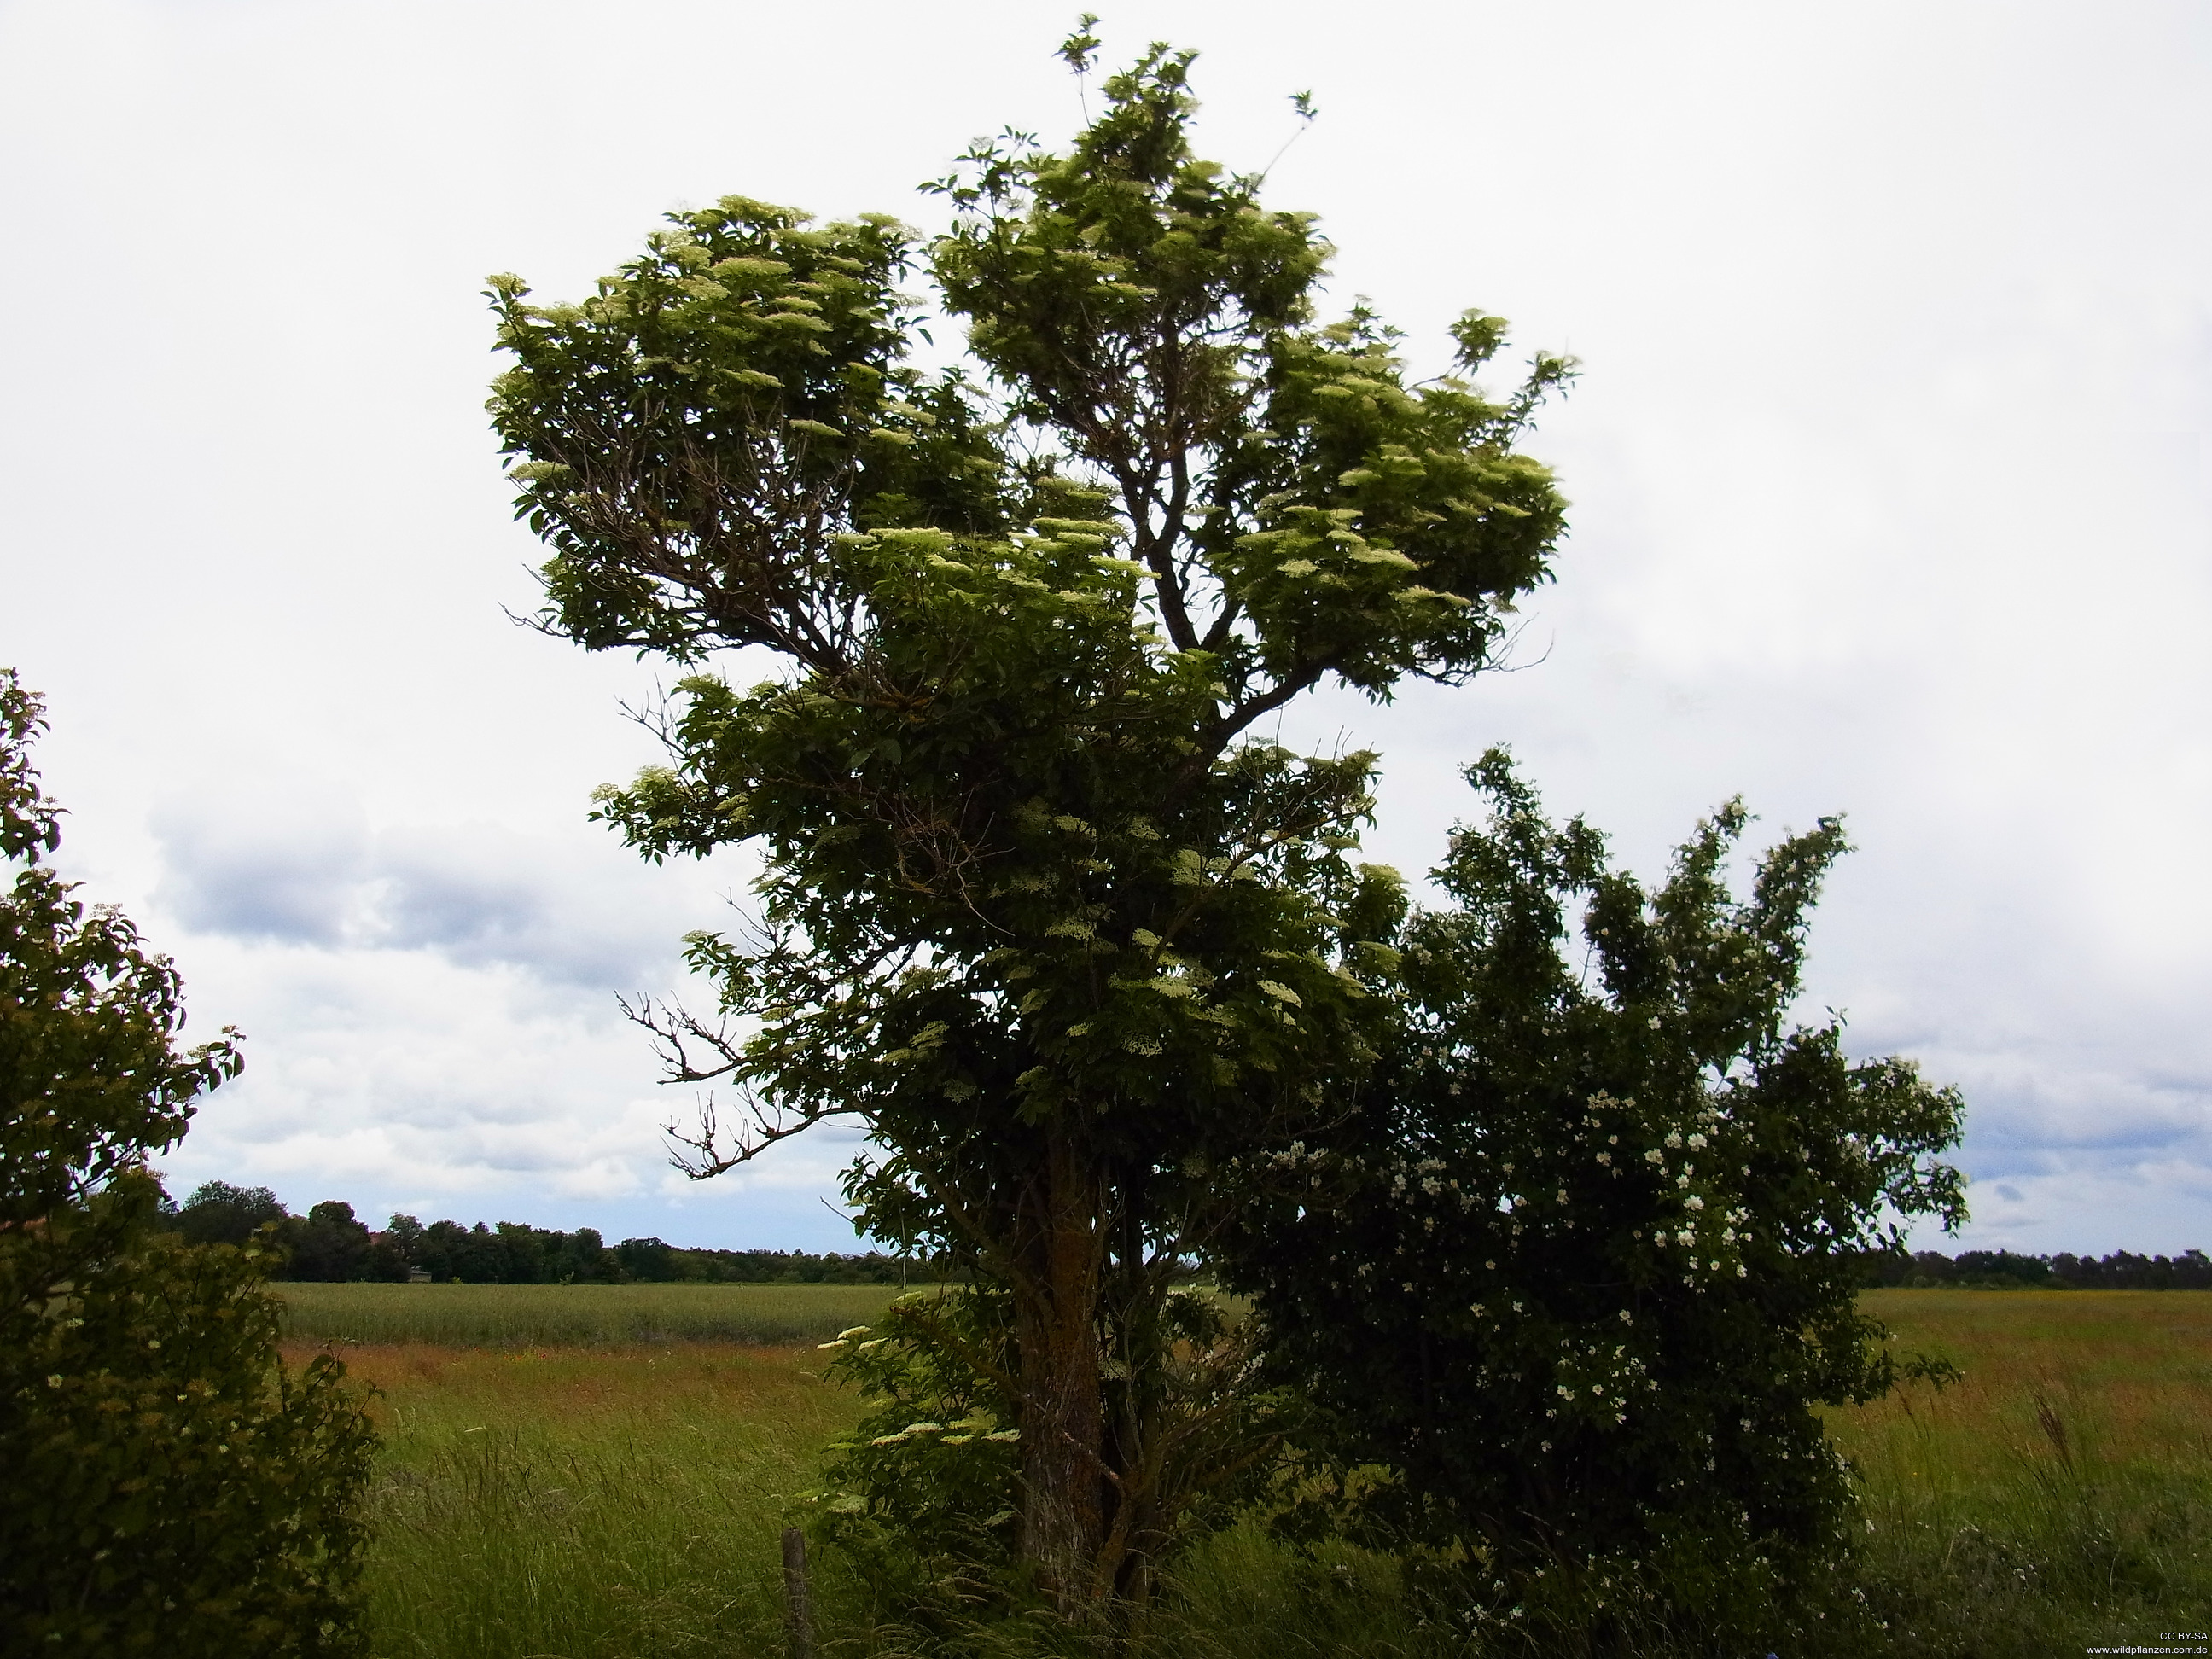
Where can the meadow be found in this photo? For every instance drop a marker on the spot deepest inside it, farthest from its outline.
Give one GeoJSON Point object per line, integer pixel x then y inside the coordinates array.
{"type": "Point", "coordinates": [473, 1315]}
{"type": "Point", "coordinates": [606, 1494]}
{"type": "Point", "coordinates": [2058, 1498]}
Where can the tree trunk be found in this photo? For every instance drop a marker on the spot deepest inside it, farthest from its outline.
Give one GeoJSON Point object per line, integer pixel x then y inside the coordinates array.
{"type": "Point", "coordinates": [1065, 1496]}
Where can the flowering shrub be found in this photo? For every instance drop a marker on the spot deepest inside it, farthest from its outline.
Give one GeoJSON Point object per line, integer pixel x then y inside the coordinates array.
{"type": "Point", "coordinates": [1570, 1277]}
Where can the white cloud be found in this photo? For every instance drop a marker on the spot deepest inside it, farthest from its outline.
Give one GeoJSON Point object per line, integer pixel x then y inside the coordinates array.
{"type": "Point", "coordinates": [577, 910]}
{"type": "Point", "coordinates": [1889, 466]}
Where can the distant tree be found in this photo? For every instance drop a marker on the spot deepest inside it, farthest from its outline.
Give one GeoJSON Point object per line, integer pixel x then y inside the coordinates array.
{"type": "Point", "coordinates": [513, 1253]}
{"type": "Point", "coordinates": [647, 1259]}
{"type": "Point", "coordinates": [171, 1486]}
{"type": "Point", "coordinates": [326, 1244]}
{"type": "Point", "coordinates": [1039, 908]}
{"type": "Point", "coordinates": [1999, 1268]}
{"type": "Point", "coordinates": [391, 1253]}
{"type": "Point", "coordinates": [448, 1250]}
{"type": "Point", "coordinates": [2123, 1271]}
{"type": "Point", "coordinates": [586, 1258]}
{"type": "Point", "coordinates": [220, 1213]}
{"type": "Point", "coordinates": [1569, 1280]}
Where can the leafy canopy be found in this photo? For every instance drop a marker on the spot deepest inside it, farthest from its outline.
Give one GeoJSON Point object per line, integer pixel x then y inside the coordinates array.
{"type": "Point", "coordinates": [1015, 848]}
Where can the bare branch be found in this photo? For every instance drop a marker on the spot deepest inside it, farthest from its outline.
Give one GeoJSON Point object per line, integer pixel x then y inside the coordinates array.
{"type": "Point", "coordinates": [705, 1157]}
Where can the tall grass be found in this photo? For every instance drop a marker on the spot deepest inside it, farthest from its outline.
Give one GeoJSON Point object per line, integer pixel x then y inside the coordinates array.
{"type": "Point", "coordinates": [587, 1504]}
{"type": "Point", "coordinates": [596, 1503]}
{"type": "Point", "coordinates": [467, 1315]}
{"type": "Point", "coordinates": [2061, 1496]}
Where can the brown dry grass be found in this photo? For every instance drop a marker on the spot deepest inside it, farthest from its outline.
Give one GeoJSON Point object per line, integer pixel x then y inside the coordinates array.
{"type": "Point", "coordinates": [424, 1388]}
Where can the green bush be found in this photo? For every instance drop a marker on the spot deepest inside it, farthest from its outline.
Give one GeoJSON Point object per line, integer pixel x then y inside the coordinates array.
{"type": "Point", "coordinates": [175, 1488]}
{"type": "Point", "coordinates": [1570, 1277]}
{"type": "Point", "coordinates": [922, 1500]}
{"type": "Point", "coordinates": [922, 1496]}
{"type": "Point", "coordinates": [171, 1486]}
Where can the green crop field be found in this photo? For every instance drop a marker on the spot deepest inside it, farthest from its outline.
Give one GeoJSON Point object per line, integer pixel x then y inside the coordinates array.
{"type": "Point", "coordinates": [470, 1316]}
{"type": "Point", "coordinates": [609, 1494]}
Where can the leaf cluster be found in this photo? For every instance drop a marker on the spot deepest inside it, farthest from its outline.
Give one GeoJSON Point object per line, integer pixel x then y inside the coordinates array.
{"type": "Point", "coordinates": [921, 1497]}
{"type": "Point", "coordinates": [924, 1495]}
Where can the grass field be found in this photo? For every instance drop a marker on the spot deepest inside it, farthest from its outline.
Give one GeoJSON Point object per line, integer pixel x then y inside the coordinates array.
{"type": "Point", "coordinates": [469, 1316]}
{"type": "Point", "coordinates": [586, 1501]}
{"type": "Point", "coordinates": [2061, 1496]}
{"type": "Point", "coordinates": [603, 1499]}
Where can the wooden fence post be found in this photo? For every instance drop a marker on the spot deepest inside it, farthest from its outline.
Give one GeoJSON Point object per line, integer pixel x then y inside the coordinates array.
{"type": "Point", "coordinates": [798, 1600]}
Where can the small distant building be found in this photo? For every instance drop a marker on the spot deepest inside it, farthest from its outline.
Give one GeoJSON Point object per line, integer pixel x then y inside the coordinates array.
{"type": "Point", "coordinates": [418, 1275]}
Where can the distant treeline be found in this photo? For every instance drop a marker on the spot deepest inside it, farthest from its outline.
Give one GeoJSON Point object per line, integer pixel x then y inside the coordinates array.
{"type": "Point", "coordinates": [2004, 1270]}
{"type": "Point", "coordinates": [330, 1245]}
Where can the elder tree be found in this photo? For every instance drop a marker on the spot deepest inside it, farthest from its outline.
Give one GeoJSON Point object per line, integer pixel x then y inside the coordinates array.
{"type": "Point", "coordinates": [1036, 907]}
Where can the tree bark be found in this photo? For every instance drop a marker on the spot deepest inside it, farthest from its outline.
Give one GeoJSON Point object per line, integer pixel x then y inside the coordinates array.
{"type": "Point", "coordinates": [1065, 1483]}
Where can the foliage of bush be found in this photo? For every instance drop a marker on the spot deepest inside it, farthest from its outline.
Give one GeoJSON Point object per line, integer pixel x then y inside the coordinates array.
{"type": "Point", "coordinates": [923, 1496]}
{"type": "Point", "coordinates": [1570, 1277]}
{"type": "Point", "coordinates": [174, 1489]}
{"type": "Point", "coordinates": [170, 1486]}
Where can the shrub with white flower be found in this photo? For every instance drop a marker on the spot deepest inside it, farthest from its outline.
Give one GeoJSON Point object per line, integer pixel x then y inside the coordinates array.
{"type": "Point", "coordinates": [1623, 1201]}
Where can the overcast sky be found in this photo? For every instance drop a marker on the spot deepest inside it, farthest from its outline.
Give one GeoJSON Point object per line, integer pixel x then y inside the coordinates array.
{"type": "Point", "coordinates": [1892, 468]}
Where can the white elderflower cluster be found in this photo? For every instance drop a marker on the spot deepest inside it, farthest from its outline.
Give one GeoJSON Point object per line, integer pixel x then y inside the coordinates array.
{"type": "Point", "coordinates": [1596, 1381]}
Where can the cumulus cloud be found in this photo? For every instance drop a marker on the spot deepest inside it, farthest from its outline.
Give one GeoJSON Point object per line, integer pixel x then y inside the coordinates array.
{"type": "Point", "coordinates": [432, 1025]}
{"type": "Point", "coordinates": [511, 1096]}
{"type": "Point", "coordinates": [1888, 472]}
{"type": "Point", "coordinates": [306, 869]}
{"type": "Point", "coordinates": [288, 869]}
